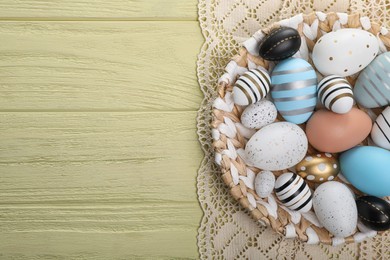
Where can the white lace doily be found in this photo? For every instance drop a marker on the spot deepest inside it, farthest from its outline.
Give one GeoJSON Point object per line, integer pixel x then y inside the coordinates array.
{"type": "Point", "coordinates": [226, 230]}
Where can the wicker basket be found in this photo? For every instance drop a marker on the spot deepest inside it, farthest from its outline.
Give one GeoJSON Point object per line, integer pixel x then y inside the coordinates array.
{"type": "Point", "coordinates": [230, 136]}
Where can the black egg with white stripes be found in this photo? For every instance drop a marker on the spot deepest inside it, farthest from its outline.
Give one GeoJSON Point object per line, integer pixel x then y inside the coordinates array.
{"type": "Point", "coordinates": [380, 132]}
{"type": "Point", "coordinates": [335, 93]}
{"type": "Point", "coordinates": [251, 87]}
{"type": "Point", "coordinates": [293, 192]}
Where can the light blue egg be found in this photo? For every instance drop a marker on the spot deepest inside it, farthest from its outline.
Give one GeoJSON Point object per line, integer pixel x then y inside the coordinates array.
{"type": "Point", "coordinates": [372, 88]}
{"type": "Point", "coordinates": [294, 89]}
{"type": "Point", "coordinates": [368, 169]}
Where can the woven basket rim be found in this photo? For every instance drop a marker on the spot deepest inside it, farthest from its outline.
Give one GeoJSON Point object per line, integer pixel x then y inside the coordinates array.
{"type": "Point", "coordinates": [223, 144]}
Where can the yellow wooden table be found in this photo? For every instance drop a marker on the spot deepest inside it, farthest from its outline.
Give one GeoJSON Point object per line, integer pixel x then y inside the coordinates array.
{"type": "Point", "coordinates": [98, 144]}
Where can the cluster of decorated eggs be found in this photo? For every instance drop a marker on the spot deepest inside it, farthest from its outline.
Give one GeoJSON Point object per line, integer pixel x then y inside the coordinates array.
{"type": "Point", "coordinates": [333, 125]}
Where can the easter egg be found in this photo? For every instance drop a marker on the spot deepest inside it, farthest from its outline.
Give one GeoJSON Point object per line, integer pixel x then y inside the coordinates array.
{"type": "Point", "coordinates": [374, 212]}
{"type": "Point", "coordinates": [335, 208]}
{"type": "Point", "coordinates": [372, 88]}
{"type": "Point", "coordinates": [277, 146]}
{"type": "Point", "coordinates": [367, 169]}
{"type": "Point", "coordinates": [294, 89]}
{"type": "Point", "coordinates": [293, 192]}
{"type": "Point", "coordinates": [318, 167]}
{"type": "Point", "coordinates": [251, 87]}
{"type": "Point", "coordinates": [264, 183]}
{"type": "Point", "coordinates": [280, 43]}
{"type": "Point", "coordinates": [344, 52]}
{"type": "Point", "coordinates": [335, 94]}
{"type": "Point", "coordinates": [333, 133]}
{"type": "Point", "coordinates": [380, 132]}
{"type": "Point", "coordinates": [259, 114]}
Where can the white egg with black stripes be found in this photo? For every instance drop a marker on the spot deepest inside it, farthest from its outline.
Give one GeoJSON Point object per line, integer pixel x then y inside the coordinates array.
{"type": "Point", "coordinates": [293, 192]}
{"type": "Point", "coordinates": [251, 87]}
{"type": "Point", "coordinates": [336, 94]}
{"type": "Point", "coordinates": [380, 132]}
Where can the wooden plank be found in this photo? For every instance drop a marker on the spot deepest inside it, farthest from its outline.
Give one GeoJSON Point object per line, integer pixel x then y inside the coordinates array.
{"type": "Point", "coordinates": [95, 66]}
{"type": "Point", "coordinates": [113, 9]}
{"type": "Point", "coordinates": [103, 246]}
{"type": "Point", "coordinates": [98, 184]}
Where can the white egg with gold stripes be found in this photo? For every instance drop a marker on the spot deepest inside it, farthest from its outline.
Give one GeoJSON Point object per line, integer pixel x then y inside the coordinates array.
{"type": "Point", "coordinates": [251, 87]}
{"type": "Point", "coordinates": [335, 93]}
{"type": "Point", "coordinates": [380, 132]}
{"type": "Point", "coordinates": [293, 192]}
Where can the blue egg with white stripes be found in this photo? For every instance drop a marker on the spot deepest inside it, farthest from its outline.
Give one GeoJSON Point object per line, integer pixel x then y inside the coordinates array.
{"type": "Point", "coordinates": [372, 88]}
{"type": "Point", "coordinates": [294, 89]}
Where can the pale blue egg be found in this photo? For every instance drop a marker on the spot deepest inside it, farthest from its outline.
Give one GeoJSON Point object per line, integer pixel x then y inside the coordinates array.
{"type": "Point", "coordinates": [294, 89]}
{"type": "Point", "coordinates": [368, 169]}
{"type": "Point", "coordinates": [372, 88]}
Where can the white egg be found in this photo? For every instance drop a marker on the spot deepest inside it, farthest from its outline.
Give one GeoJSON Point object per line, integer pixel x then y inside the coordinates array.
{"type": "Point", "coordinates": [259, 114]}
{"type": "Point", "coordinates": [251, 87]}
{"type": "Point", "coordinates": [380, 132]}
{"type": "Point", "coordinates": [293, 192]}
{"type": "Point", "coordinates": [277, 146]}
{"type": "Point", "coordinates": [264, 183]}
{"type": "Point", "coordinates": [335, 208]}
{"type": "Point", "coordinates": [344, 52]}
{"type": "Point", "coordinates": [335, 93]}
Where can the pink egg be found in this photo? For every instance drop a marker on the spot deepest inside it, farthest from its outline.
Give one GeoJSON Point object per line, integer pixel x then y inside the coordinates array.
{"type": "Point", "coordinates": [333, 133]}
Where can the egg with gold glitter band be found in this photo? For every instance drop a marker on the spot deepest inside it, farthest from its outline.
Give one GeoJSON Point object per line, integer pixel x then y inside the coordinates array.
{"type": "Point", "coordinates": [293, 192]}
{"type": "Point", "coordinates": [251, 87]}
{"type": "Point", "coordinates": [335, 93]}
{"type": "Point", "coordinates": [318, 167]}
{"type": "Point", "coordinates": [294, 89]}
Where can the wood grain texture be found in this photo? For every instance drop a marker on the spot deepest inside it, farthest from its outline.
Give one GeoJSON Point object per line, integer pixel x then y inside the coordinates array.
{"type": "Point", "coordinates": [98, 185]}
{"type": "Point", "coordinates": [98, 9]}
{"type": "Point", "coordinates": [98, 145]}
{"type": "Point", "coordinates": [101, 66]}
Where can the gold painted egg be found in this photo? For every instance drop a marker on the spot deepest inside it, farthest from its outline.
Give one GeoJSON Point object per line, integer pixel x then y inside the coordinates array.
{"type": "Point", "coordinates": [318, 168]}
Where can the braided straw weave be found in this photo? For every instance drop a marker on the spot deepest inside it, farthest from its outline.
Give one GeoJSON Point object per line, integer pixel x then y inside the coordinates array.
{"type": "Point", "coordinates": [230, 136]}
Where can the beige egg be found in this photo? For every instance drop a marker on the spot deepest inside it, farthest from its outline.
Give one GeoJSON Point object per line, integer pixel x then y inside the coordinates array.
{"type": "Point", "coordinates": [319, 168]}
{"type": "Point", "coordinates": [334, 133]}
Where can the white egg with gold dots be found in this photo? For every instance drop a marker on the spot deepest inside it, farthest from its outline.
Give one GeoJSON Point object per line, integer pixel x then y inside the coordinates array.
{"type": "Point", "coordinates": [344, 52]}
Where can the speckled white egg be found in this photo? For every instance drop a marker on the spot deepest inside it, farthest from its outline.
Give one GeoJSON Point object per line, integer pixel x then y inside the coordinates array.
{"type": "Point", "coordinates": [277, 146]}
{"type": "Point", "coordinates": [260, 114]}
{"type": "Point", "coordinates": [344, 52]}
{"type": "Point", "coordinates": [293, 192]}
{"type": "Point", "coordinates": [264, 183]}
{"type": "Point", "coordinates": [335, 208]}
